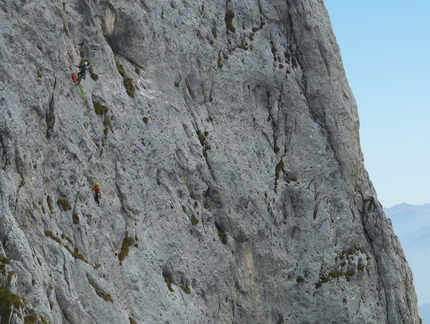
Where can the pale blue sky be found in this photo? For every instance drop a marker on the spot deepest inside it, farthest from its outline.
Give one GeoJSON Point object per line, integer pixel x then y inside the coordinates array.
{"type": "Point", "coordinates": [385, 47]}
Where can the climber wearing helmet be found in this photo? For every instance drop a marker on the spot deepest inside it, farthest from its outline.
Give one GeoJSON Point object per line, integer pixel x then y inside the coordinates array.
{"type": "Point", "coordinates": [83, 69]}
{"type": "Point", "coordinates": [97, 193]}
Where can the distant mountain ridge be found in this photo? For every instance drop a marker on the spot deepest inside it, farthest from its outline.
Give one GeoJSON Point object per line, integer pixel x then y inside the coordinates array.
{"type": "Point", "coordinates": [408, 218]}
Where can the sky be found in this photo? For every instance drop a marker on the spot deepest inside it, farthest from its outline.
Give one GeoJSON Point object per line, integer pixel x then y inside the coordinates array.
{"type": "Point", "coordinates": [385, 49]}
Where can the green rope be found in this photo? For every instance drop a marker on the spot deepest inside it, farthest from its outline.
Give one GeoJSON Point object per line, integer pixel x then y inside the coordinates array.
{"type": "Point", "coordinates": [82, 94]}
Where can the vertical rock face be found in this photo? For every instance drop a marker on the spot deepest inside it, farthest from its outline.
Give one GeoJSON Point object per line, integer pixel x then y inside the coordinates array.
{"type": "Point", "coordinates": [225, 139]}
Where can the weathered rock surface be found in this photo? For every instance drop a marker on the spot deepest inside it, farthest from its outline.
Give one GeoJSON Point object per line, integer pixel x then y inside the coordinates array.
{"type": "Point", "coordinates": [228, 157]}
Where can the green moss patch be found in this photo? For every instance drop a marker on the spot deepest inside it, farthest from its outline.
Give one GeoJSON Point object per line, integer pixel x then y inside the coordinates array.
{"type": "Point", "coordinates": [186, 289]}
{"type": "Point", "coordinates": [345, 259]}
{"type": "Point", "coordinates": [126, 243]}
{"type": "Point", "coordinates": [210, 40]}
{"type": "Point", "coordinates": [75, 253]}
{"type": "Point", "coordinates": [229, 15]}
{"type": "Point", "coordinates": [99, 108]}
{"type": "Point", "coordinates": [52, 236]}
{"type": "Point", "coordinates": [223, 236]}
{"type": "Point", "coordinates": [207, 205]}
{"type": "Point", "coordinates": [349, 273]}
{"type": "Point", "coordinates": [121, 69]}
{"type": "Point", "coordinates": [300, 279]}
{"type": "Point", "coordinates": [99, 292]}
{"type": "Point", "coordinates": [50, 121]}
{"type": "Point", "coordinates": [169, 284]}
{"type": "Point", "coordinates": [75, 218]}
{"type": "Point", "coordinates": [335, 274]}
{"type": "Point", "coordinates": [129, 86]}
{"type": "Point", "coordinates": [4, 259]}
{"type": "Point", "coordinates": [243, 46]}
{"type": "Point", "coordinates": [64, 204]}
{"type": "Point", "coordinates": [279, 167]}
{"type": "Point", "coordinates": [202, 138]}
{"type": "Point", "coordinates": [106, 124]}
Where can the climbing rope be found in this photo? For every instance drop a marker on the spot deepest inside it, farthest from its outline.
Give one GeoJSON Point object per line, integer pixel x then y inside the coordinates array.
{"type": "Point", "coordinates": [82, 94]}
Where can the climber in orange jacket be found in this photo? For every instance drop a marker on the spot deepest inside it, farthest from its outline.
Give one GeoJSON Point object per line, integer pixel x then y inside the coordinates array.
{"type": "Point", "coordinates": [97, 193]}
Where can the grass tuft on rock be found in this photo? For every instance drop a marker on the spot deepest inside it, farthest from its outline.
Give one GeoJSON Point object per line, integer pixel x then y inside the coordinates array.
{"type": "Point", "coordinates": [7, 301]}
{"type": "Point", "coordinates": [30, 319]}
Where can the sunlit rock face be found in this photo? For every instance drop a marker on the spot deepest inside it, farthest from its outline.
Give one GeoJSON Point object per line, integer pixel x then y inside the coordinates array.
{"type": "Point", "coordinates": [224, 137]}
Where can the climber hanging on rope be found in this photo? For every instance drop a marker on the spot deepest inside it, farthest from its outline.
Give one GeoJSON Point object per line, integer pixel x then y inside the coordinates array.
{"type": "Point", "coordinates": [83, 70]}
{"type": "Point", "coordinates": [97, 193]}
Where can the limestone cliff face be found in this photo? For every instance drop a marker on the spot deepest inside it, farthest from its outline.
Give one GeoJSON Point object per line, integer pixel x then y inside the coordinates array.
{"type": "Point", "coordinates": [224, 136]}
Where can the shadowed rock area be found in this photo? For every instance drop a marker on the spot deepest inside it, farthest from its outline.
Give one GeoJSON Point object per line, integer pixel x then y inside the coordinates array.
{"type": "Point", "coordinates": [224, 137]}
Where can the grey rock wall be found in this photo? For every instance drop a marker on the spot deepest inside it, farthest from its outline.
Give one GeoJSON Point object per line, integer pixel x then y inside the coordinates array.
{"type": "Point", "coordinates": [224, 136]}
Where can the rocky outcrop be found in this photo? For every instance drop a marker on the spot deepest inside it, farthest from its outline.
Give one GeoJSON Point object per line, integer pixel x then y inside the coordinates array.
{"type": "Point", "coordinates": [224, 136]}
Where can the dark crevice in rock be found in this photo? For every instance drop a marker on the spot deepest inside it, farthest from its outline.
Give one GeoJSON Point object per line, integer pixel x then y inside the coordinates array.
{"type": "Point", "coordinates": [4, 151]}
{"type": "Point", "coordinates": [323, 56]}
{"type": "Point", "coordinates": [50, 115]}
